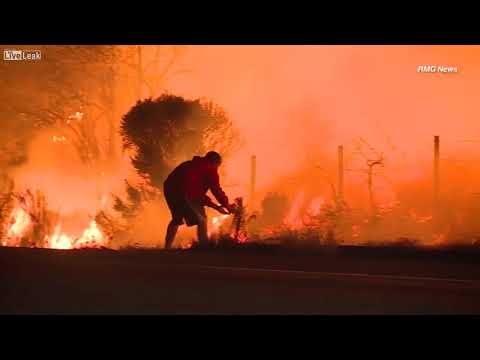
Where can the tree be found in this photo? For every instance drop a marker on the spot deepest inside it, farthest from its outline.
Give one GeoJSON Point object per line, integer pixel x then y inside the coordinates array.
{"type": "Point", "coordinates": [160, 133]}
{"type": "Point", "coordinates": [164, 131]}
{"type": "Point", "coordinates": [69, 84]}
{"type": "Point", "coordinates": [73, 89]}
{"type": "Point", "coordinates": [373, 159]}
{"type": "Point", "coordinates": [274, 208]}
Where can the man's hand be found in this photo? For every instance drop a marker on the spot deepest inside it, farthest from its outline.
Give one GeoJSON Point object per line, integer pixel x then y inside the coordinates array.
{"type": "Point", "coordinates": [226, 210]}
{"type": "Point", "coordinates": [220, 209]}
{"type": "Point", "coordinates": [231, 208]}
{"type": "Point", "coordinates": [223, 211]}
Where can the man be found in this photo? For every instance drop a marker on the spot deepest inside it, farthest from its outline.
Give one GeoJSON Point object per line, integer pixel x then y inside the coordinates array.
{"type": "Point", "coordinates": [185, 192]}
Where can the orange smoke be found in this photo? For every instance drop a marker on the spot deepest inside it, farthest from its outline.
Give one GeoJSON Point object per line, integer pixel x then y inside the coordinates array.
{"type": "Point", "coordinates": [293, 106]}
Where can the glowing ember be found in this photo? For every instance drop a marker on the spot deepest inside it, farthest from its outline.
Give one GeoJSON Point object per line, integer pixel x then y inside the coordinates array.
{"type": "Point", "coordinates": [77, 116]}
{"type": "Point", "coordinates": [242, 238]}
{"type": "Point", "coordinates": [187, 245]}
{"type": "Point", "coordinates": [438, 239]}
{"type": "Point", "coordinates": [59, 139]}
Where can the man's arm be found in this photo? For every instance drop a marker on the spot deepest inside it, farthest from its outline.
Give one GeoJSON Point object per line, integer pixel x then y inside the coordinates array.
{"type": "Point", "coordinates": [217, 190]}
{"type": "Point", "coordinates": [208, 202]}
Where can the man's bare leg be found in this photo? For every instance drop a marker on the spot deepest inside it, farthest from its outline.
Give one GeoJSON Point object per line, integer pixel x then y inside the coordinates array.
{"type": "Point", "coordinates": [202, 233]}
{"type": "Point", "coordinates": [171, 232]}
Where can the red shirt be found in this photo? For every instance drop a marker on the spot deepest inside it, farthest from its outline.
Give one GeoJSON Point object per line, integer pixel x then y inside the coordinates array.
{"type": "Point", "coordinates": [193, 179]}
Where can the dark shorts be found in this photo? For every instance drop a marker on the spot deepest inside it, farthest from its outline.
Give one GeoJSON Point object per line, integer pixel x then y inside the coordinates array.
{"type": "Point", "coordinates": [184, 210]}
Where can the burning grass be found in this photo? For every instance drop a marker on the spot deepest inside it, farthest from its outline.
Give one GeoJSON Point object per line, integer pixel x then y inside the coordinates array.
{"type": "Point", "coordinates": [313, 224]}
{"type": "Point", "coordinates": [27, 221]}
{"type": "Point", "coordinates": [305, 224]}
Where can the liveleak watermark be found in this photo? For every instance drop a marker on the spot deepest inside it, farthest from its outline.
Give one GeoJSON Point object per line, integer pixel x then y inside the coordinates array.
{"type": "Point", "coordinates": [21, 55]}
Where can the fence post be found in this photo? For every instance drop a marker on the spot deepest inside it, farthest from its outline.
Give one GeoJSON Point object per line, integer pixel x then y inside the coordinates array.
{"type": "Point", "coordinates": [253, 174]}
{"type": "Point", "coordinates": [340, 174]}
{"type": "Point", "coordinates": [436, 174]}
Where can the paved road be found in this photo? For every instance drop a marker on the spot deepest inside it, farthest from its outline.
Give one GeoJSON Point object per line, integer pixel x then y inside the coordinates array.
{"type": "Point", "coordinates": [37, 281]}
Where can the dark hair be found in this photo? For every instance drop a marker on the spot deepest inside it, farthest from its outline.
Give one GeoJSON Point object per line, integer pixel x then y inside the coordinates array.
{"type": "Point", "coordinates": [214, 157]}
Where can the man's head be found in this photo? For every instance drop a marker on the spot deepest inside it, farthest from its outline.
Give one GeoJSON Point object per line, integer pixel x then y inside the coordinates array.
{"type": "Point", "coordinates": [214, 158]}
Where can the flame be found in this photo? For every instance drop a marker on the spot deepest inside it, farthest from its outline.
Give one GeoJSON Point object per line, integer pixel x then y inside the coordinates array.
{"type": "Point", "coordinates": [187, 245]}
{"type": "Point", "coordinates": [59, 240]}
{"type": "Point", "coordinates": [217, 222]}
{"type": "Point", "coordinates": [315, 206]}
{"type": "Point", "coordinates": [293, 219]}
{"type": "Point", "coordinates": [242, 238]}
{"type": "Point", "coordinates": [92, 236]}
{"type": "Point", "coordinates": [21, 222]}
{"type": "Point", "coordinates": [59, 139]}
{"type": "Point", "coordinates": [76, 116]}
{"type": "Point", "coordinates": [299, 214]}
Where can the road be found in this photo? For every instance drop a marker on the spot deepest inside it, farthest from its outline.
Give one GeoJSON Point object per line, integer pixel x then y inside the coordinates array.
{"type": "Point", "coordinates": [344, 281]}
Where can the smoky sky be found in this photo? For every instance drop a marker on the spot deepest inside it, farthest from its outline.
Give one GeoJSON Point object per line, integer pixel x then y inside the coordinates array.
{"type": "Point", "coordinates": [292, 102]}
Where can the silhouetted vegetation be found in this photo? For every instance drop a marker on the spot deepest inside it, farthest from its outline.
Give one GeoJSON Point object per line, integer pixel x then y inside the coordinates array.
{"type": "Point", "coordinates": [167, 130]}
{"type": "Point", "coordinates": [274, 208]}
{"type": "Point", "coordinates": [160, 133]}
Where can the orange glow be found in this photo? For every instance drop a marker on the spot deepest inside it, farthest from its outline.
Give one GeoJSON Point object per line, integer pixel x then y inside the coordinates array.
{"type": "Point", "coordinates": [20, 222]}
{"type": "Point", "coordinates": [293, 219]}
{"type": "Point", "coordinates": [216, 223]}
{"type": "Point", "coordinates": [59, 240]}
{"type": "Point", "coordinates": [315, 206]}
{"type": "Point", "coordinates": [295, 103]}
{"type": "Point", "coordinates": [91, 237]}
{"type": "Point", "coordinates": [293, 106]}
